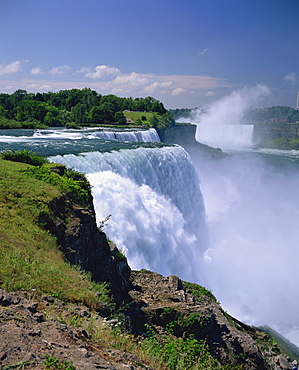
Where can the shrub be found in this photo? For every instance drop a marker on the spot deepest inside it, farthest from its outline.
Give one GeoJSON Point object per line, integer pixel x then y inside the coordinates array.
{"type": "Point", "coordinates": [24, 156]}
{"type": "Point", "coordinates": [72, 183]}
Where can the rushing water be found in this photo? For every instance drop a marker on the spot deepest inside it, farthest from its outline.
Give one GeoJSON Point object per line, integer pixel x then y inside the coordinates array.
{"type": "Point", "coordinates": [225, 136]}
{"type": "Point", "coordinates": [232, 225]}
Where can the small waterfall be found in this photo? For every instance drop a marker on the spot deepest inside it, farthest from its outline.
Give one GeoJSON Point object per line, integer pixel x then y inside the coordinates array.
{"type": "Point", "coordinates": [153, 195]}
{"type": "Point", "coordinates": [150, 135]}
{"type": "Point", "coordinates": [225, 136]}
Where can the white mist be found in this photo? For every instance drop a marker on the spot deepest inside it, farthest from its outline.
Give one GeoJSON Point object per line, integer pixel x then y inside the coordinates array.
{"type": "Point", "coordinates": [252, 208]}
{"type": "Point", "coordinates": [220, 123]}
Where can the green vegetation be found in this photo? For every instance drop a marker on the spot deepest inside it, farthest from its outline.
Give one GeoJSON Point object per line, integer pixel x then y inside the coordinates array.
{"type": "Point", "coordinates": [53, 363]}
{"type": "Point", "coordinates": [29, 257]}
{"type": "Point", "coordinates": [284, 143]}
{"type": "Point", "coordinates": [72, 108]}
{"type": "Point", "coordinates": [275, 114]}
{"type": "Point", "coordinates": [23, 156]}
{"type": "Point", "coordinates": [139, 117]}
{"type": "Point", "coordinates": [17, 365]}
{"type": "Point", "coordinates": [74, 186]}
{"type": "Point", "coordinates": [199, 291]}
{"type": "Point", "coordinates": [182, 112]}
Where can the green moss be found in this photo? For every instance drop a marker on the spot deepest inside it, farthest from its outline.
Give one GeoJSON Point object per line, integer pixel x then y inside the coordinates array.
{"type": "Point", "coordinates": [199, 291]}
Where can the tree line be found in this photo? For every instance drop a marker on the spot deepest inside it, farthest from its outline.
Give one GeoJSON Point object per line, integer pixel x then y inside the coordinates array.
{"type": "Point", "coordinates": [74, 108]}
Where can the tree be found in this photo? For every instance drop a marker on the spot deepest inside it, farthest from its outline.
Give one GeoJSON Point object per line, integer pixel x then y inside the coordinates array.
{"type": "Point", "coordinates": [120, 118]}
{"type": "Point", "coordinates": [78, 112]}
{"type": "Point", "coordinates": [154, 121]}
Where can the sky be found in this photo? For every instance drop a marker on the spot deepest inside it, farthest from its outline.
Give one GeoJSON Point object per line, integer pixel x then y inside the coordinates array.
{"type": "Point", "coordinates": [185, 53]}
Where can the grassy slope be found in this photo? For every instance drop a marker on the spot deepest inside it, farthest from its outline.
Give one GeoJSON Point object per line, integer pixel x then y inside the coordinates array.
{"type": "Point", "coordinates": [135, 115]}
{"type": "Point", "coordinates": [29, 257]}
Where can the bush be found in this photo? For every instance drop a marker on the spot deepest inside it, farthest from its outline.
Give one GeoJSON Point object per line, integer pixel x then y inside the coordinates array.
{"type": "Point", "coordinates": [73, 184]}
{"type": "Point", "coordinates": [24, 156]}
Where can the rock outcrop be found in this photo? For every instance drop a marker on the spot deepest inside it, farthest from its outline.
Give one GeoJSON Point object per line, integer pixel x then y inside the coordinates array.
{"type": "Point", "coordinates": [28, 336]}
{"type": "Point", "coordinates": [191, 309]}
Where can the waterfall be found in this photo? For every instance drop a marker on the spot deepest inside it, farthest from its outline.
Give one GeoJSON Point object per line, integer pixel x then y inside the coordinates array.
{"type": "Point", "coordinates": [150, 135]}
{"type": "Point", "coordinates": [225, 136]}
{"type": "Point", "coordinates": [153, 195]}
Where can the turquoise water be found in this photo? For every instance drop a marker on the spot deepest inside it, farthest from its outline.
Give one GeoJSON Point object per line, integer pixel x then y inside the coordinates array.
{"type": "Point", "coordinates": [60, 141]}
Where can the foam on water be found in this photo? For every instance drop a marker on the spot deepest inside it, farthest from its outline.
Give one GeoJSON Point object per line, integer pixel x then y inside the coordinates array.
{"type": "Point", "coordinates": [158, 215]}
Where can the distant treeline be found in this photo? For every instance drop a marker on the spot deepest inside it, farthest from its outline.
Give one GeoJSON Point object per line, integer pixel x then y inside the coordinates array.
{"type": "Point", "coordinates": [182, 112]}
{"type": "Point", "coordinates": [275, 114]}
{"type": "Point", "coordinates": [74, 108]}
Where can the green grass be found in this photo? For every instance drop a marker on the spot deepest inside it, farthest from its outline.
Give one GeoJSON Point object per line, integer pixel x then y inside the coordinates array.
{"type": "Point", "coordinates": [200, 292]}
{"type": "Point", "coordinates": [134, 116]}
{"type": "Point", "coordinates": [29, 256]}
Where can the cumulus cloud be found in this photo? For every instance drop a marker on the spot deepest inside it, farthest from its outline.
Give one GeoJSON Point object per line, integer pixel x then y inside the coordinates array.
{"type": "Point", "coordinates": [101, 71]}
{"type": "Point", "coordinates": [84, 70]}
{"type": "Point", "coordinates": [60, 70]}
{"type": "Point", "coordinates": [203, 52]}
{"type": "Point", "coordinates": [178, 91]}
{"type": "Point", "coordinates": [151, 88]}
{"type": "Point", "coordinates": [36, 71]}
{"type": "Point", "coordinates": [12, 67]}
{"type": "Point", "coordinates": [210, 93]}
{"type": "Point", "coordinates": [291, 77]}
{"type": "Point", "coordinates": [134, 79]}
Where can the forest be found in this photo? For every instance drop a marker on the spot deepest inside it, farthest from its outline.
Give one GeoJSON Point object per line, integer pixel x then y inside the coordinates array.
{"type": "Point", "coordinates": [75, 108]}
{"type": "Point", "coordinates": [274, 114]}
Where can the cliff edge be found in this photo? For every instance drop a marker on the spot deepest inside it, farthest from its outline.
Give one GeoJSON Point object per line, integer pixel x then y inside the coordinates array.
{"type": "Point", "coordinates": [177, 321]}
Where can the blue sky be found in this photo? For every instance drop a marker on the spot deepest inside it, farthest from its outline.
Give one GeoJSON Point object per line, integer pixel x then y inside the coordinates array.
{"type": "Point", "coordinates": [185, 53]}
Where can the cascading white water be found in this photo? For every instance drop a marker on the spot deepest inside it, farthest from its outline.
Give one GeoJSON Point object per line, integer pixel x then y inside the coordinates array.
{"type": "Point", "coordinates": [225, 136]}
{"type": "Point", "coordinates": [150, 135]}
{"type": "Point", "coordinates": [153, 195]}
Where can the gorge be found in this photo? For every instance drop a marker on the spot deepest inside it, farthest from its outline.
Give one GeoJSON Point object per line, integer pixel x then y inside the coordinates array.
{"type": "Point", "coordinates": [229, 225]}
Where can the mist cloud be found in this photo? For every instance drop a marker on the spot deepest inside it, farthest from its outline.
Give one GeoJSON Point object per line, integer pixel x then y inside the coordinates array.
{"type": "Point", "coordinates": [230, 109]}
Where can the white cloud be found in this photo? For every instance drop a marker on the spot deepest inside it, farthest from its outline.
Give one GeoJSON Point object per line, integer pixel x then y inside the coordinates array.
{"type": "Point", "coordinates": [12, 67]}
{"type": "Point", "coordinates": [178, 91]}
{"type": "Point", "coordinates": [210, 93]}
{"type": "Point", "coordinates": [203, 52]}
{"type": "Point", "coordinates": [151, 88]}
{"type": "Point", "coordinates": [84, 70]}
{"type": "Point", "coordinates": [60, 70]}
{"type": "Point", "coordinates": [133, 79]}
{"type": "Point", "coordinates": [36, 71]}
{"type": "Point", "coordinates": [291, 77]}
{"type": "Point", "coordinates": [102, 71]}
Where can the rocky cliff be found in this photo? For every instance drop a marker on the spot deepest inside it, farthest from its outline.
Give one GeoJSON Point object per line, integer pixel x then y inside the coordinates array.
{"type": "Point", "coordinates": [165, 304]}
{"type": "Point", "coordinates": [156, 300]}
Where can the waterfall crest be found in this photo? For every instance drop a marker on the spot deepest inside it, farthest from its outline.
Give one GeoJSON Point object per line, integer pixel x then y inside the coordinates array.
{"type": "Point", "coordinates": [150, 135]}
{"type": "Point", "coordinates": [153, 195]}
